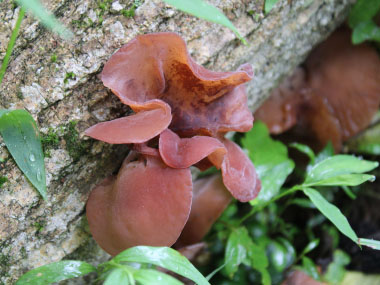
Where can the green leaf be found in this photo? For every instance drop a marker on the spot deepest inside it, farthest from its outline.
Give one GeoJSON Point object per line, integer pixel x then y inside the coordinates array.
{"type": "Point", "coordinates": [203, 10]}
{"type": "Point", "coordinates": [374, 244]}
{"type": "Point", "coordinates": [118, 276]}
{"type": "Point", "coordinates": [209, 276]}
{"type": "Point", "coordinates": [271, 161]}
{"type": "Point", "coordinates": [21, 136]}
{"type": "Point", "coordinates": [46, 18]}
{"type": "Point", "coordinates": [335, 270]}
{"type": "Point", "coordinates": [269, 4]}
{"type": "Point", "coordinates": [55, 272]}
{"type": "Point", "coordinates": [362, 11]}
{"type": "Point", "coordinates": [326, 152]}
{"type": "Point", "coordinates": [164, 257]}
{"type": "Point", "coordinates": [259, 261]}
{"type": "Point", "coordinates": [240, 247]}
{"type": "Point", "coordinates": [11, 44]}
{"type": "Point", "coordinates": [304, 149]}
{"type": "Point", "coordinates": [278, 257]}
{"type": "Point", "coordinates": [235, 251]}
{"type": "Point", "coordinates": [332, 213]}
{"type": "Point", "coordinates": [344, 180]}
{"type": "Point", "coordinates": [310, 268]}
{"type": "Point", "coordinates": [334, 170]}
{"type": "Point", "coordinates": [150, 276]}
{"type": "Point", "coordinates": [305, 203]}
{"type": "Point", "coordinates": [310, 246]}
{"type": "Point", "coordinates": [348, 192]}
{"type": "Point", "coordinates": [366, 31]}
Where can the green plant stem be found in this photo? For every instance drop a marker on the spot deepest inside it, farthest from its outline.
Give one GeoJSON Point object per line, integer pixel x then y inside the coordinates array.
{"type": "Point", "coordinates": [263, 205]}
{"type": "Point", "coordinates": [11, 43]}
{"type": "Point", "coordinates": [126, 269]}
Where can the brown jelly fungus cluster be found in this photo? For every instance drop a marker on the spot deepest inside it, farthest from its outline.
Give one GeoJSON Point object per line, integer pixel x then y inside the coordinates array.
{"type": "Point", "coordinates": [181, 113]}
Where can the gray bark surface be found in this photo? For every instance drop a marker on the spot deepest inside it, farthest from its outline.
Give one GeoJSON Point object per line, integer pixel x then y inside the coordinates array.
{"type": "Point", "coordinates": [56, 81]}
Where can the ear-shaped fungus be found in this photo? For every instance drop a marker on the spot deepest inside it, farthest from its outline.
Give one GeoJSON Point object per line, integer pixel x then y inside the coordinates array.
{"type": "Point", "coordinates": [210, 198]}
{"type": "Point", "coordinates": [147, 204]}
{"type": "Point", "coordinates": [156, 69]}
{"type": "Point", "coordinates": [191, 109]}
{"type": "Point", "coordinates": [337, 97]}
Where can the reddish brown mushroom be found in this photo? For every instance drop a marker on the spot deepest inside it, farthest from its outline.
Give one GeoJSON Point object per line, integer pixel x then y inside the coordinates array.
{"type": "Point", "coordinates": [190, 108]}
{"type": "Point", "coordinates": [210, 198]}
{"type": "Point", "coordinates": [335, 99]}
{"type": "Point", "coordinates": [147, 204]}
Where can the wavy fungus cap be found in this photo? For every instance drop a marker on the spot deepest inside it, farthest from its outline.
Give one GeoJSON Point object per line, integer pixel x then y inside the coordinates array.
{"type": "Point", "coordinates": [157, 78]}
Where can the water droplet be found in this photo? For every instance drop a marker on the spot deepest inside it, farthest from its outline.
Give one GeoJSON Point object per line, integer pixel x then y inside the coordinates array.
{"type": "Point", "coordinates": [31, 157]}
{"type": "Point", "coordinates": [39, 175]}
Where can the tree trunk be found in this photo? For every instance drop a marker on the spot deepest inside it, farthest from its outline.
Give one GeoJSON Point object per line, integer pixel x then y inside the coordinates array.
{"type": "Point", "coordinates": [56, 81]}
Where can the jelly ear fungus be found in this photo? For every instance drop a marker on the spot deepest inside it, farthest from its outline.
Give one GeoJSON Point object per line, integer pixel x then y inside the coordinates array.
{"type": "Point", "coordinates": [181, 113]}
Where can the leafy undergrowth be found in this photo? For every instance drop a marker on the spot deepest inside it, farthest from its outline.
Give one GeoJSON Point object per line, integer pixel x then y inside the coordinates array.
{"type": "Point", "coordinates": [292, 225]}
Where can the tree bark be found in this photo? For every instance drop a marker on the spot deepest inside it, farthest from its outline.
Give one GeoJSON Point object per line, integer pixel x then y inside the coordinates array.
{"type": "Point", "coordinates": [56, 81]}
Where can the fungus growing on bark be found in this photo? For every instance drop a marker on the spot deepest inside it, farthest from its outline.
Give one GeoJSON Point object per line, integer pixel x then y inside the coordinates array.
{"type": "Point", "coordinates": [190, 108]}
{"type": "Point", "coordinates": [334, 97]}
{"type": "Point", "coordinates": [147, 203]}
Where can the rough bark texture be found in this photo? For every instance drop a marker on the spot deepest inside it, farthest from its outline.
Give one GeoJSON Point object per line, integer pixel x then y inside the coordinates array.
{"type": "Point", "coordinates": [56, 82]}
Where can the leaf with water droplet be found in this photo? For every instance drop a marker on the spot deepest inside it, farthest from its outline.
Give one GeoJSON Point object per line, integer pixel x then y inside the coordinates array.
{"type": "Point", "coordinates": [164, 257]}
{"type": "Point", "coordinates": [340, 170]}
{"type": "Point", "coordinates": [55, 272]}
{"type": "Point", "coordinates": [21, 136]}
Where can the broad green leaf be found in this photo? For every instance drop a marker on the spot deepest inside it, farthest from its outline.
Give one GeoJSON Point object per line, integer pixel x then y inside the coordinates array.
{"type": "Point", "coordinates": [332, 213]}
{"type": "Point", "coordinates": [203, 10]}
{"type": "Point", "coordinates": [271, 161]}
{"type": "Point", "coordinates": [150, 276]}
{"type": "Point", "coordinates": [118, 276]}
{"type": "Point", "coordinates": [374, 244]}
{"type": "Point", "coordinates": [236, 251]}
{"type": "Point", "coordinates": [21, 136]}
{"type": "Point", "coordinates": [164, 257]}
{"type": "Point", "coordinates": [362, 11]}
{"type": "Point", "coordinates": [46, 18]}
{"type": "Point", "coordinates": [366, 31]}
{"type": "Point", "coordinates": [55, 272]}
{"type": "Point", "coordinates": [304, 149]}
{"type": "Point", "coordinates": [335, 270]}
{"type": "Point", "coordinates": [310, 246]}
{"type": "Point", "coordinates": [343, 180]}
{"type": "Point", "coordinates": [241, 248]}
{"type": "Point", "coordinates": [269, 4]}
{"type": "Point", "coordinates": [338, 165]}
{"type": "Point", "coordinates": [310, 268]}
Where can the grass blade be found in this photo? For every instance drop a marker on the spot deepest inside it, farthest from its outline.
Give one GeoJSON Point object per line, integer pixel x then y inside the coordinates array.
{"type": "Point", "coordinates": [11, 44]}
